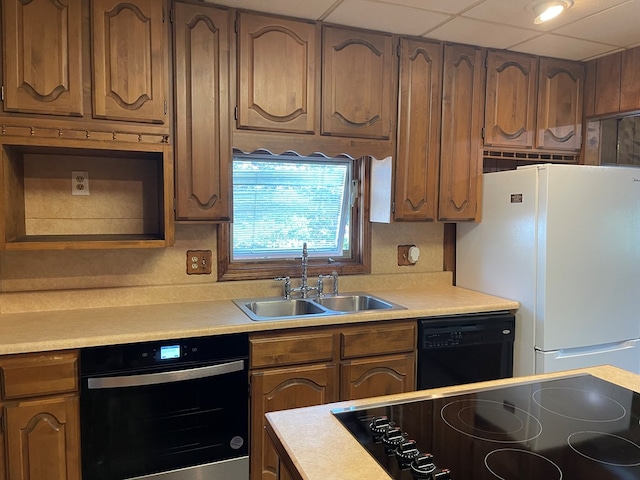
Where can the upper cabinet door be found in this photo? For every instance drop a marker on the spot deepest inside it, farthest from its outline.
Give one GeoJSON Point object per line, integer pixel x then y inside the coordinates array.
{"type": "Point", "coordinates": [607, 89]}
{"type": "Point", "coordinates": [203, 142]}
{"type": "Point", "coordinates": [463, 83]}
{"type": "Point", "coordinates": [129, 60]}
{"type": "Point", "coordinates": [629, 85]}
{"type": "Point", "coordinates": [510, 99]}
{"type": "Point", "coordinates": [560, 97]}
{"type": "Point", "coordinates": [43, 56]}
{"type": "Point", "coordinates": [357, 83]}
{"type": "Point", "coordinates": [416, 179]}
{"type": "Point", "coordinates": [277, 73]}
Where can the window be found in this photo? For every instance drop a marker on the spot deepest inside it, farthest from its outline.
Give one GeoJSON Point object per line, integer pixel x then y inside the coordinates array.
{"type": "Point", "coordinates": [283, 201]}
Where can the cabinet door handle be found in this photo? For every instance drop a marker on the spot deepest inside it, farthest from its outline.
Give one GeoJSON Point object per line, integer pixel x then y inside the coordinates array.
{"type": "Point", "coordinates": [164, 377]}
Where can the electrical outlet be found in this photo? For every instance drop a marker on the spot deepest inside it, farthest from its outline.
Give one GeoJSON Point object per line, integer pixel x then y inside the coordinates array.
{"type": "Point", "coordinates": [79, 183]}
{"type": "Point", "coordinates": [198, 262]}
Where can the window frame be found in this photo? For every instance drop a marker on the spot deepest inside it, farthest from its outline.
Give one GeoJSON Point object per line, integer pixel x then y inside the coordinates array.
{"type": "Point", "coordinates": [359, 263]}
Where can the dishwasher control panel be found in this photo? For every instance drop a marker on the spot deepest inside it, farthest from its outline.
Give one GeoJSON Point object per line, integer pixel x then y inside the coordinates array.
{"type": "Point", "coordinates": [466, 331]}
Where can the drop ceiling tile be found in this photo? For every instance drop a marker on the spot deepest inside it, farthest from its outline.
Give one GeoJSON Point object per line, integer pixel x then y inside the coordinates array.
{"type": "Point", "coordinates": [603, 54]}
{"type": "Point", "coordinates": [615, 26]}
{"type": "Point", "coordinates": [385, 17]}
{"type": "Point", "coordinates": [551, 45]}
{"type": "Point", "coordinates": [444, 6]}
{"type": "Point", "coordinates": [292, 8]}
{"type": "Point", "coordinates": [512, 12]}
{"type": "Point", "coordinates": [484, 34]}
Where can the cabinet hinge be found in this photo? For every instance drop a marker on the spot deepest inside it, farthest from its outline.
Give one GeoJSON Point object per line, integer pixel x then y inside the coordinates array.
{"type": "Point", "coordinates": [165, 107]}
{"type": "Point", "coordinates": [393, 207]}
{"type": "Point", "coordinates": [235, 26]}
{"type": "Point", "coordinates": [171, 15]}
{"type": "Point", "coordinates": [235, 113]}
{"type": "Point", "coordinates": [398, 49]}
{"type": "Point", "coordinates": [2, 423]}
{"type": "Point", "coordinates": [2, 93]}
{"type": "Point", "coordinates": [482, 133]}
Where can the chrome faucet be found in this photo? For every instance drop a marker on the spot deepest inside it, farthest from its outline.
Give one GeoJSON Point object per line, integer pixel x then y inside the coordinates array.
{"type": "Point", "coordinates": [304, 287]}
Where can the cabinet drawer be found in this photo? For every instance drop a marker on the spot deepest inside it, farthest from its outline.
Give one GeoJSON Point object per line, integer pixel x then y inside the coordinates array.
{"type": "Point", "coordinates": [272, 350]}
{"type": "Point", "coordinates": [378, 339]}
{"type": "Point", "coordinates": [32, 375]}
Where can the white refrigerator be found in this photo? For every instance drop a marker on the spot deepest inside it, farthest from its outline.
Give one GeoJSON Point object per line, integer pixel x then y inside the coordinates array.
{"type": "Point", "coordinates": [564, 241]}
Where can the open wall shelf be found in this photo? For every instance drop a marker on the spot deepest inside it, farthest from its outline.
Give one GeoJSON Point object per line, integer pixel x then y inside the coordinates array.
{"type": "Point", "coordinates": [129, 204]}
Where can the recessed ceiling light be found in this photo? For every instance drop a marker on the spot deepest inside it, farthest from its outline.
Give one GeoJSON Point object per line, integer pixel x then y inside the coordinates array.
{"type": "Point", "coordinates": [546, 10]}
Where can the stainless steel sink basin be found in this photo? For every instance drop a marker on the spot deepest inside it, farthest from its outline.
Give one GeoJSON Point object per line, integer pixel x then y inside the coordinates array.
{"type": "Point", "coordinates": [278, 308]}
{"type": "Point", "coordinates": [353, 303]}
{"type": "Point", "coordinates": [283, 308]}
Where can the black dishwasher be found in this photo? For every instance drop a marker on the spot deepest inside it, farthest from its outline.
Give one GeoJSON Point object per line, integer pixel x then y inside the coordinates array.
{"type": "Point", "coordinates": [174, 409]}
{"type": "Point", "coordinates": [465, 349]}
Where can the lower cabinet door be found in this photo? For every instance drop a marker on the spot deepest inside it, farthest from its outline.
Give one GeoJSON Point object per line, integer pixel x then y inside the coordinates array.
{"type": "Point", "coordinates": [280, 389]}
{"type": "Point", "coordinates": [372, 377]}
{"type": "Point", "coordinates": [43, 439]}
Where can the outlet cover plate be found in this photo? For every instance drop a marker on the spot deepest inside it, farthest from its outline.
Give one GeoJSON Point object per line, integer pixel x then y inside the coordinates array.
{"type": "Point", "coordinates": [199, 262]}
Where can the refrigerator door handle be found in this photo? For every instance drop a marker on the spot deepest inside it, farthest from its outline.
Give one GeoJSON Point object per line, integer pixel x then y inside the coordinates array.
{"type": "Point", "coordinates": [597, 349]}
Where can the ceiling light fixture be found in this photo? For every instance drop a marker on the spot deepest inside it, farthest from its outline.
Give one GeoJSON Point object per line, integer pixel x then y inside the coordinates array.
{"type": "Point", "coordinates": [546, 10]}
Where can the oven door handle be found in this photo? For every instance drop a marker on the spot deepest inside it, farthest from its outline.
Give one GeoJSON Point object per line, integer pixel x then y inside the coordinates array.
{"type": "Point", "coordinates": [165, 377]}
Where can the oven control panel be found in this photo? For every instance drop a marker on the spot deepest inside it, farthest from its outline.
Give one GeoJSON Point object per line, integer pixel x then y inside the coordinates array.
{"type": "Point", "coordinates": [113, 358]}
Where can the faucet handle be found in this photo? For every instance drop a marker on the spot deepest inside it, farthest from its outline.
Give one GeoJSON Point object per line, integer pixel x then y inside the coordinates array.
{"type": "Point", "coordinates": [321, 284]}
{"type": "Point", "coordinates": [334, 275]}
{"type": "Point", "coordinates": [287, 285]}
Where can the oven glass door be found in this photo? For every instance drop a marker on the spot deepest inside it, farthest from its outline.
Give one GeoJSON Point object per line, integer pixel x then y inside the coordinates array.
{"type": "Point", "coordinates": [138, 430]}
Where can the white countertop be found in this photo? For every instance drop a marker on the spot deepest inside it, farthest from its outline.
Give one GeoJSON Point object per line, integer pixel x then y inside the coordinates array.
{"type": "Point", "coordinates": [68, 329]}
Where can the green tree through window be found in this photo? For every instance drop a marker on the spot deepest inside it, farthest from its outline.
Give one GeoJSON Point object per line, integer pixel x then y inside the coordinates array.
{"type": "Point", "coordinates": [280, 202]}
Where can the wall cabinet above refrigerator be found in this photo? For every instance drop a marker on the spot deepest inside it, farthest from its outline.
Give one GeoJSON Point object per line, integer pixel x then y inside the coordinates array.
{"type": "Point", "coordinates": [533, 103]}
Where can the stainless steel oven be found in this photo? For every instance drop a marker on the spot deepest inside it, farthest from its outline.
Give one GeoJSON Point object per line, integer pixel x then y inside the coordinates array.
{"type": "Point", "coordinates": [171, 410]}
{"type": "Point", "coordinates": [465, 348]}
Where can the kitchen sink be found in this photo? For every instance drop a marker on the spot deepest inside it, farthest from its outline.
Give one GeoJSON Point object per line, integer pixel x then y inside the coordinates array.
{"type": "Point", "coordinates": [278, 308]}
{"type": "Point", "coordinates": [353, 303]}
{"type": "Point", "coordinates": [283, 308]}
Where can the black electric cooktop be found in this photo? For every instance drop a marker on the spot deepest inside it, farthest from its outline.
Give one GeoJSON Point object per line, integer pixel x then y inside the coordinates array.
{"type": "Point", "coordinates": [571, 428]}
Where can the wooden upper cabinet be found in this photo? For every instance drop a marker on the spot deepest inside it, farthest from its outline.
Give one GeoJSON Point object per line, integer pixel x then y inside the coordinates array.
{"type": "Point", "coordinates": [629, 84]}
{"type": "Point", "coordinates": [129, 49]}
{"type": "Point", "coordinates": [42, 56]}
{"type": "Point", "coordinates": [357, 83]}
{"type": "Point", "coordinates": [612, 83]}
{"type": "Point", "coordinates": [418, 141]}
{"type": "Point", "coordinates": [510, 110]}
{"type": "Point", "coordinates": [202, 129]}
{"type": "Point", "coordinates": [533, 103]}
{"type": "Point", "coordinates": [608, 71]}
{"type": "Point", "coordinates": [278, 64]}
{"type": "Point", "coordinates": [560, 100]}
{"type": "Point", "coordinates": [463, 87]}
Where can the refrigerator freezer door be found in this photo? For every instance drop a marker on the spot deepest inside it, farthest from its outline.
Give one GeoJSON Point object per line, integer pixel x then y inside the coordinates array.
{"type": "Point", "coordinates": [588, 252]}
{"type": "Point", "coordinates": [624, 355]}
